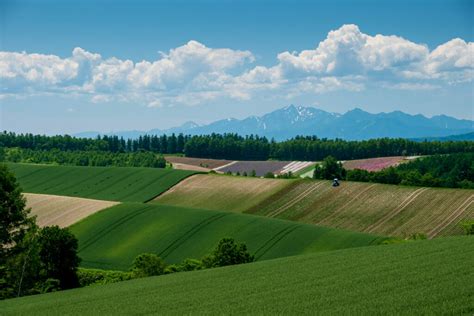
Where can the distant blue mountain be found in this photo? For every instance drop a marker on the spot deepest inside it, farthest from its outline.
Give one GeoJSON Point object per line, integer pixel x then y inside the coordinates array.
{"type": "Point", "coordinates": [468, 136]}
{"type": "Point", "coordinates": [294, 120]}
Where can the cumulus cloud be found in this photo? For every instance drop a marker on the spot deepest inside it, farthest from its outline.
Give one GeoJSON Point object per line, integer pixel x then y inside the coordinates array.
{"type": "Point", "coordinates": [347, 59]}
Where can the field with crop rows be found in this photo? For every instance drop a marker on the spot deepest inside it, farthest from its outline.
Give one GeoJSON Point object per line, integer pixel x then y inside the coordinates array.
{"type": "Point", "coordinates": [102, 183]}
{"type": "Point", "coordinates": [375, 164]}
{"type": "Point", "coordinates": [62, 210]}
{"type": "Point", "coordinates": [198, 162]}
{"type": "Point", "coordinates": [415, 278]}
{"type": "Point", "coordinates": [368, 207]}
{"type": "Point", "coordinates": [377, 208]}
{"type": "Point", "coordinates": [112, 238]}
{"type": "Point", "coordinates": [219, 192]}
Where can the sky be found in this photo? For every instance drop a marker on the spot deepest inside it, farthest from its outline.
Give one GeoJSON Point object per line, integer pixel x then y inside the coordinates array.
{"type": "Point", "coordinates": [73, 66]}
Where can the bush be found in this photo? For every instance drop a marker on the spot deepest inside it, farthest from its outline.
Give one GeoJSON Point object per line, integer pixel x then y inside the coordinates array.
{"type": "Point", "coordinates": [228, 252]}
{"type": "Point", "coordinates": [148, 264]}
{"type": "Point", "coordinates": [269, 175]}
{"type": "Point", "coordinates": [96, 276]}
{"type": "Point", "coordinates": [468, 227]}
{"type": "Point", "coordinates": [417, 236]}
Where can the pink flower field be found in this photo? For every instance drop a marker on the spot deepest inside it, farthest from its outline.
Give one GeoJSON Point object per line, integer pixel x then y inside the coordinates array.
{"type": "Point", "coordinates": [374, 164]}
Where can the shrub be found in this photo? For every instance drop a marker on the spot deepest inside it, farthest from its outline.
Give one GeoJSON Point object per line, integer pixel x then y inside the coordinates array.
{"type": "Point", "coordinates": [228, 252]}
{"type": "Point", "coordinates": [417, 236]}
{"type": "Point", "coordinates": [269, 175]}
{"type": "Point", "coordinates": [468, 227]}
{"type": "Point", "coordinates": [148, 264]}
{"type": "Point", "coordinates": [96, 276]}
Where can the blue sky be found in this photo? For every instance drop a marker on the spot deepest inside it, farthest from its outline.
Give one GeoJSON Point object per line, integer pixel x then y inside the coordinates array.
{"type": "Point", "coordinates": [75, 66]}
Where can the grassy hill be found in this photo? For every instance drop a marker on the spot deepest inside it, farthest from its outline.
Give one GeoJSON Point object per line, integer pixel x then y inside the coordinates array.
{"type": "Point", "coordinates": [366, 207]}
{"type": "Point", "coordinates": [423, 277]}
{"type": "Point", "coordinates": [112, 238]}
{"type": "Point", "coordinates": [102, 183]}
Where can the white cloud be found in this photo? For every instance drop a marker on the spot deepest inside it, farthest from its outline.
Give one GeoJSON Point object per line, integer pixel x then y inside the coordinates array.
{"type": "Point", "coordinates": [194, 73]}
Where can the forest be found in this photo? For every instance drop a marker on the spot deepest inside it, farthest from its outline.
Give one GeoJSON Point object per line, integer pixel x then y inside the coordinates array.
{"type": "Point", "coordinates": [93, 158]}
{"type": "Point", "coordinates": [450, 171]}
{"type": "Point", "coordinates": [236, 147]}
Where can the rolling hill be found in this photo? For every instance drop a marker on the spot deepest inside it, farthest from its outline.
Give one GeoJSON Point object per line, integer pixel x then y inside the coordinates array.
{"type": "Point", "coordinates": [101, 183]}
{"type": "Point", "coordinates": [217, 192]}
{"type": "Point", "coordinates": [62, 210]}
{"type": "Point", "coordinates": [112, 238]}
{"type": "Point", "coordinates": [367, 207]}
{"type": "Point", "coordinates": [416, 278]}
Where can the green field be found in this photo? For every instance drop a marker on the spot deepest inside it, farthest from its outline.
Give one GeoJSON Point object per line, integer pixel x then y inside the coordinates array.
{"type": "Point", "coordinates": [417, 278]}
{"type": "Point", "coordinates": [112, 238]}
{"type": "Point", "coordinates": [102, 183]}
{"type": "Point", "coordinates": [389, 210]}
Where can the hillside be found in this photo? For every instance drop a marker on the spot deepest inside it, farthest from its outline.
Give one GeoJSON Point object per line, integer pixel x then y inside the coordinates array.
{"type": "Point", "coordinates": [366, 207]}
{"type": "Point", "coordinates": [62, 210]}
{"type": "Point", "coordinates": [423, 277]}
{"type": "Point", "coordinates": [112, 238]}
{"type": "Point", "coordinates": [222, 192]}
{"type": "Point", "coordinates": [101, 183]}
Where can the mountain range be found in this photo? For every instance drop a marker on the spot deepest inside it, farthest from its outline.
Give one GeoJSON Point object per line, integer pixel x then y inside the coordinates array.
{"type": "Point", "coordinates": [294, 120]}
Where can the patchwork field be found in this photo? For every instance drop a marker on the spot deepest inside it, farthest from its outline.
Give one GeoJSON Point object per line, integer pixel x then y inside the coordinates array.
{"type": "Point", "coordinates": [416, 278]}
{"type": "Point", "coordinates": [376, 164]}
{"type": "Point", "coordinates": [376, 208]}
{"type": "Point", "coordinates": [218, 192]}
{"type": "Point", "coordinates": [197, 162]}
{"type": "Point", "coordinates": [62, 210]}
{"type": "Point", "coordinates": [102, 183]}
{"type": "Point", "coordinates": [263, 167]}
{"type": "Point", "coordinates": [112, 238]}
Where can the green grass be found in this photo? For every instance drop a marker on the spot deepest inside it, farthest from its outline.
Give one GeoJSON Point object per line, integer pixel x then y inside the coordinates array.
{"type": "Point", "coordinates": [103, 183]}
{"type": "Point", "coordinates": [417, 278]}
{"type": "Point", "coordinates": [112, 238]}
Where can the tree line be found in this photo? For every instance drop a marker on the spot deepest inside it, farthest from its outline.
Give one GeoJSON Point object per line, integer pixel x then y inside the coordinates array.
{"type": "Point", "coordinates": [158, 144]}
{"type": "Point", "coordinates": [236, 147]}
{"type": "Point", "coordinates": [83, 158]}
{"type": "Point", "coordinates": [449, 171]}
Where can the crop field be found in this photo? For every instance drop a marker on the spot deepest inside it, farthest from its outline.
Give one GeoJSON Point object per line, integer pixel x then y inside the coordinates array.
{"type": "Point", "coordinates": [62, 210]}
{"type": "Point", "coordinates": [218, 192]}
{"type": "Point", "coordinates": [112, 238]}
{"type": "Point", "coordinates": [376, 208]}
{"type": "Point", "coordinates": [376, 164]}
{"type": "Point", "coordinates": [415, 278]}
{"type": "Point", "coordinates": [260, 167]}
{"type": "Point", "coordinates": [198, 162]}
{"type": "Point", "coordinates": [102, 183]}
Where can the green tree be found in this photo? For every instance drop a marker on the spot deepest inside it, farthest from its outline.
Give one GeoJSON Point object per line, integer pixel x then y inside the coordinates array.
{"type": "Point", "coordinates": [228, 252]}
{"type": "Point", "coordinates": [329, 169]}
{"type": "Point", "coordinates": [14, 220]}
{"type": "Point", "coordinates": [58, 255]}
{"type": "Point", "coordinates": [148, 264]}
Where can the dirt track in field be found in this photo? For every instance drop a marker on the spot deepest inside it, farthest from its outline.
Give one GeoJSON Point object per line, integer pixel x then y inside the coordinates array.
{"type": "Point", "coordinates": [62, 210]}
